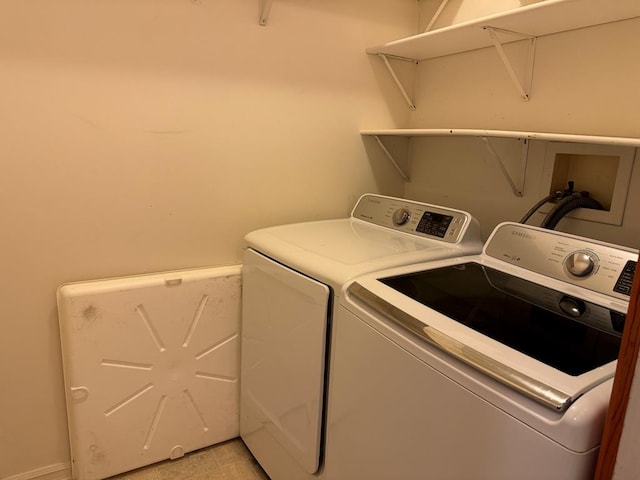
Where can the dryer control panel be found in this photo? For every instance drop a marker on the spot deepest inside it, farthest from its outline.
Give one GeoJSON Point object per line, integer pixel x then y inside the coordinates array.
{"type": "Point", "coordinates": [416, 218]}
{"type": "Point", "coordinates": [592, 264]}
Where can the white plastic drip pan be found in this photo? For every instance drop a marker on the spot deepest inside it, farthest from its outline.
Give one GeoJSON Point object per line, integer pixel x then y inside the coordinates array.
{"type": "Point", "coordinates": [151, 367]}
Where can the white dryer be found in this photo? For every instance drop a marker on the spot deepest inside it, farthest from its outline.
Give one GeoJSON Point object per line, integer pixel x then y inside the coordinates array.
{"type": "Point", "coordinates": [291, 276]}
{"type": "Point", "coordinates": [497, 366]}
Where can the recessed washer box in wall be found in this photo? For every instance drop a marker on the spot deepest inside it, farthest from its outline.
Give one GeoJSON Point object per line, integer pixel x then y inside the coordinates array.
{"type": "Point", "coordinates": [151, 366]}
{"type": "Point", "coordinates": [602, 170]}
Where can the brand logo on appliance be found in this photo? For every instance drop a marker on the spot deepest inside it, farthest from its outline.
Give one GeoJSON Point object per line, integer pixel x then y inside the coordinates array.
{"type": "Point", "coordinates": [514, 258]}
{"type": "Point", "coordinates": [523, 235]}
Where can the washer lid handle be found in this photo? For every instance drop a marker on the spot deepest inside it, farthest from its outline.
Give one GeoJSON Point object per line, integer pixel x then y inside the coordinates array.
{"type": "Point", "coordinates": [540, 392]}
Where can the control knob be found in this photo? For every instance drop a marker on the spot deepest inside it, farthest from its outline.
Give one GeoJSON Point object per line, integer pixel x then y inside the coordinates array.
{"type": "Point", "coordinates": [580, 263]}
{"type": "Point", "coordinates": [401, 216]}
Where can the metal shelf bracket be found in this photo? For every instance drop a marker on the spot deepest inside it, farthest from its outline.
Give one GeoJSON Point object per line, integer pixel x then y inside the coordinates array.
{"type": "Point", "coordinates": [397, 80]}
{"type": "Point", "coordinates": [398, 150]}
{"type": "Point", "coordinates": [443, 4]}
{"type": "Point", "coordinates": [523, 89]}
{"type": "Point", "coordinates": [517, 186]}
{"type": "Point", "coordinates": [402, 171]}
{"type": "Point", "coordinates": [264, 7]}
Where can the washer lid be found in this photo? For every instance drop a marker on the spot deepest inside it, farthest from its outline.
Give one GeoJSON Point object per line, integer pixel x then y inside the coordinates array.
{"type": "Point", "coordinates": [478, 315]}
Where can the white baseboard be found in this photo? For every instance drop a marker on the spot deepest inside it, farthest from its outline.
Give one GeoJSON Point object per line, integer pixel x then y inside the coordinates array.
{"type": "Point", "coordinates": [57, 471]}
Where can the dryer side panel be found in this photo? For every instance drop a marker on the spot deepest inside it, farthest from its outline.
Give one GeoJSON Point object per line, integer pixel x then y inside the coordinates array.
{"type": "Point", "coordinates": [284, 328]}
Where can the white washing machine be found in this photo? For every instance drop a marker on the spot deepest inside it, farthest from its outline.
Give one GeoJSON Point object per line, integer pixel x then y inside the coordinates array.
{"type": "Point", "coordinates": [496, 366]}
{"type": "Point", "coordinates": [291, 276]}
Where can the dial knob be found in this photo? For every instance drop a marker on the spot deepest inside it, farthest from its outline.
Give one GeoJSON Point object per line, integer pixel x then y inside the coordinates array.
{"type": "Point", "coordinates": [580, 263]}
{"type": "Point", "coordinates": [401, 216]}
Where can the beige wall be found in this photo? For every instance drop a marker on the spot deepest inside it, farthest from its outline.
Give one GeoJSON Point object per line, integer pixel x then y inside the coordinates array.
{"type": "Point", "coordinates": [584, 82]}
{"type": "Point", "coordinates": [140, 136]}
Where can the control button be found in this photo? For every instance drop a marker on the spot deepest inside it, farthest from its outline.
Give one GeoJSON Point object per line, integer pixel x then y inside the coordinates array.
{"type": "Point", "coordinates": [580, 263]}
{"type": "Point", "coordinates": [625, 280]}
{"type": "Point", "coordinates": [401, 216]}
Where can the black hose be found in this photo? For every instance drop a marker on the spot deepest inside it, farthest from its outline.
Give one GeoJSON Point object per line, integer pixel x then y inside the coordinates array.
{"type": "Point", "coordinates": [567, 204]}
{"type": "Point", "coordinates": [533, 210]}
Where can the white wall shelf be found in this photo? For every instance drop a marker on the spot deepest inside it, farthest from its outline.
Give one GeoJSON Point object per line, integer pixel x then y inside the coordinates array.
{"type": "Point", "coordinates": [532, 21]}
{"type": "Point", "coordinates": [553, 137]}
{"type": "Point", "coordinates": [516, 184]}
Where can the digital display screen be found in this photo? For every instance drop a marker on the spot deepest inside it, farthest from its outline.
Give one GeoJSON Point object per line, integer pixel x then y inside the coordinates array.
{"type": "Point", "coordinates": [434, 224]}
{"type": "Point", "coordinates": [625, 280]}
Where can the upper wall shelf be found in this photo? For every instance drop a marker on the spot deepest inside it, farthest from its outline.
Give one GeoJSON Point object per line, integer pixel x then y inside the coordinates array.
{"type": "Point", "coordinates": [539, 19]}
{"type": "Point", "coordinates": [524, 23]}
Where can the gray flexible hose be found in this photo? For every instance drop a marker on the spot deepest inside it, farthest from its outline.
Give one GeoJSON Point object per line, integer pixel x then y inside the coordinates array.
{"type": "Point", "coordinates": [537, 206]}
{"type": "Point", "coordinates": [567, 204]}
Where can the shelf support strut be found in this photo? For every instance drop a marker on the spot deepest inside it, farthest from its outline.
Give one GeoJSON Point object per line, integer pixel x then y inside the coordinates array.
{"type": "Point", "coordinates": [393, 161]}
{"type": "Point", "coordinates": [436, 15]}
{"type": "Point", "coordinates": [517, 189]}
{"type": "Point", "coordinates": [524, 90]}
{"type": "Point", "coordinates": [264, 7]}
{"type": "Point", "coordinates": [395, 79]}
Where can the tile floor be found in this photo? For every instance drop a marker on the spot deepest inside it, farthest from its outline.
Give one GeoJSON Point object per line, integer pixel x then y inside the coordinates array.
{"type": "Point", "coordinates": [225, 461]}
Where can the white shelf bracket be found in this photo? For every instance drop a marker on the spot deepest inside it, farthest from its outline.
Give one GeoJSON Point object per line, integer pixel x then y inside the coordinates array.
{"type": "Point", "coordinates": [523, 89]}
{"type": "Point", "coordinates": [518, 187]}
{"type": "Point", "coordinates": [436, 15]}
{"type": "Point", "coordinates": [264, 7]}
{"type": "Point", "coordinates": [405, 175]}
{"type": "Point", "coordinates": [397, 81]}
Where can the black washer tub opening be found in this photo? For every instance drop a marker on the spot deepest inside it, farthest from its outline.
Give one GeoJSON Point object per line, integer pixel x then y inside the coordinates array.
{"type": "Point", "coordinates": [488, 301]}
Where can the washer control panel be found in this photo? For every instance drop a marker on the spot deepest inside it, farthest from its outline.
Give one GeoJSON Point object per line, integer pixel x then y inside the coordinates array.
{"type": "Point", "coordinates": [598, 266]}
{"type": "Point", "coordinates": [421, 219]}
